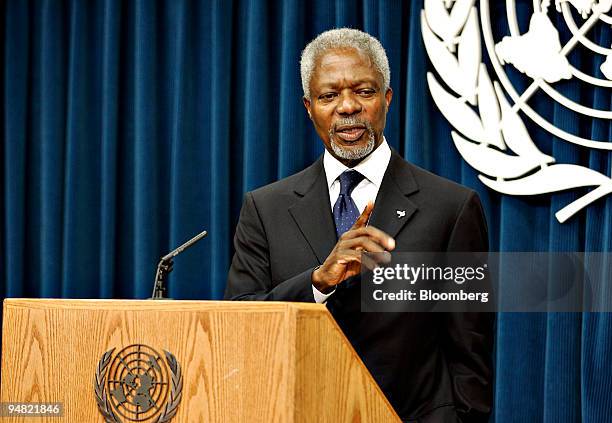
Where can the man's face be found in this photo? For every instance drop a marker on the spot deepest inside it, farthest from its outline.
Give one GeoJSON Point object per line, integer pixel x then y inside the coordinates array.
{"type": "Point", "coordinates": [347, 105]}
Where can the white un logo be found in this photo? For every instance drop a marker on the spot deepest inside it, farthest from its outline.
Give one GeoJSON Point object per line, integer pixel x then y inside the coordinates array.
{"type": "Point", "coordinates": [489, 132]}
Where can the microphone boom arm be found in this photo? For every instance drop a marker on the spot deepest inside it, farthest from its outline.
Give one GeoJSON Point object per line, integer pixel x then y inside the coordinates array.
{"type": "Point", "coordinates": [165, 266]}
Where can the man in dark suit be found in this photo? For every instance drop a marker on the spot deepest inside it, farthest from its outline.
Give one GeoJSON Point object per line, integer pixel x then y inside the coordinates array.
{"type": "Point", "coordinates": [301, 238]}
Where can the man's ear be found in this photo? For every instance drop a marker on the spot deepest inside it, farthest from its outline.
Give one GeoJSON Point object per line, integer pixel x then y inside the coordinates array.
{"type": "Point", "coordinates": [307, 106]}
{"type": "Point", "coordinates": [388, 97]}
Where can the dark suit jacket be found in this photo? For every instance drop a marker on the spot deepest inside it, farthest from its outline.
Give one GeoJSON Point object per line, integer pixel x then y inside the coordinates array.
{"type": "Point", "coordinates": [433, 367]}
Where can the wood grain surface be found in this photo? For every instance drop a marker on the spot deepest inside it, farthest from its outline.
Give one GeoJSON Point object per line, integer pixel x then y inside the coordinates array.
{"type": "Point", "coordinates": [241, 361]}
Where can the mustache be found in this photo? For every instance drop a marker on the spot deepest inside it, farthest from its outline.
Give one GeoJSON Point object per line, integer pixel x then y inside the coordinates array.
{"type": "Point", "coordinates": [350, 121]}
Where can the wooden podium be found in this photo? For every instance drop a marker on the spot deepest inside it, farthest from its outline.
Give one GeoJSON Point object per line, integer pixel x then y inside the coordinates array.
{"type": "Point", "coordinates": [236, 361]}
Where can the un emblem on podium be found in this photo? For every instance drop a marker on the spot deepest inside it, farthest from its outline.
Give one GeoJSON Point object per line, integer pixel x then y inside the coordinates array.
{"type": "Point", "coordinates": [489, 131]}
{"type": "Point", "coordinates": [137, 385]}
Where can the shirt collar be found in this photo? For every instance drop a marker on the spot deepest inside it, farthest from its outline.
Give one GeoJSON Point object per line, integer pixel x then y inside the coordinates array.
{"type": "Point", "coordinates": [373, 167]}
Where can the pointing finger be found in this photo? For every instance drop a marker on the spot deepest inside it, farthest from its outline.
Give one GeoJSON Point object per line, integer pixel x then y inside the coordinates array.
{"type": "Point", "coordinates": [362, 220]}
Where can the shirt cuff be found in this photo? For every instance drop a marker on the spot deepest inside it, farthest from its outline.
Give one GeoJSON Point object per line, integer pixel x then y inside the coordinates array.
{"type": "Point", "coordinates": [320, 297]}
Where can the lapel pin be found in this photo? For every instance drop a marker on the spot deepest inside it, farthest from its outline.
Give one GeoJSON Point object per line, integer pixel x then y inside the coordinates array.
{"type": "Point", "coordinates": [401, 213]}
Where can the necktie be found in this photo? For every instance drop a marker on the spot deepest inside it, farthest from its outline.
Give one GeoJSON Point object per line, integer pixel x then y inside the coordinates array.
{"type": "Point", "coordinates": [345, 210]}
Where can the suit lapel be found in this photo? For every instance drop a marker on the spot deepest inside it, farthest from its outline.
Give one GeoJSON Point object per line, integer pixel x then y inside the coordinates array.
{"type": "Point", "coordinates": [312, 212]}
{"type": "Point", "coordinates": [393, 209]}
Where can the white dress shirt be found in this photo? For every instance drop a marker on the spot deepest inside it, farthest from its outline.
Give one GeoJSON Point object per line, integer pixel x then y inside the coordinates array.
{"type": "Point", "coordinates": [373, 167]}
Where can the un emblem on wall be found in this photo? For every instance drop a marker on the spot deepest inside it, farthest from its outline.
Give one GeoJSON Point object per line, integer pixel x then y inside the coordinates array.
{"type": "Point", "coordinates": [489, 131]}
{"type": "Point", "coordinates": [138, 385]}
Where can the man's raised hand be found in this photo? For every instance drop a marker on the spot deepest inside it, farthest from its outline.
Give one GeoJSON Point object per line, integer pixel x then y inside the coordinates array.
{"type": "Point", "coordinates": [345, 259]}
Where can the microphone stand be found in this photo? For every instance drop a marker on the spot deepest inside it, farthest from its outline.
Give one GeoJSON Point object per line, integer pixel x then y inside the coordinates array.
{"type": "Point", "coordinates": [165, 266]}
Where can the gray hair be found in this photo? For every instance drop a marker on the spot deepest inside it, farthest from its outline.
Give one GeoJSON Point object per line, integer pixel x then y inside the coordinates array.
{"type": "Point", "coordinates": [343, 38]}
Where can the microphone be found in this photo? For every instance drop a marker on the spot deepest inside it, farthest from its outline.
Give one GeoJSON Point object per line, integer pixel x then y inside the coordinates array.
{"type": "Point", "coordinates": [165, 266]}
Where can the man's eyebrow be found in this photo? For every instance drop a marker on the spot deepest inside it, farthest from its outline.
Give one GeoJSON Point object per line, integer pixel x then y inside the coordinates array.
{"type": "Point", "coordinates": [334, 84]}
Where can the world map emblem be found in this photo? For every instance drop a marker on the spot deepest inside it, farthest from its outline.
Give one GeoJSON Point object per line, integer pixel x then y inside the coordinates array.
{"type": "Point", "coordinates": [488, 111]}
{"type": "Point", "coordinates": [137, 384]}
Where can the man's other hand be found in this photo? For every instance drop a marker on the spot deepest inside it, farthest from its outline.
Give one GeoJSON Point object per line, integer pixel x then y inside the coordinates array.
{"type": "Point", "coordinates": [345, 259]}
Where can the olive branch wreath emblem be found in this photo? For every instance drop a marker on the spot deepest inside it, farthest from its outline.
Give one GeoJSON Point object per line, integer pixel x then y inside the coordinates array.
{"type": "Point", "coordinates": [488, 132]}
{"type": "Point", "coordinates": [104, 405]}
